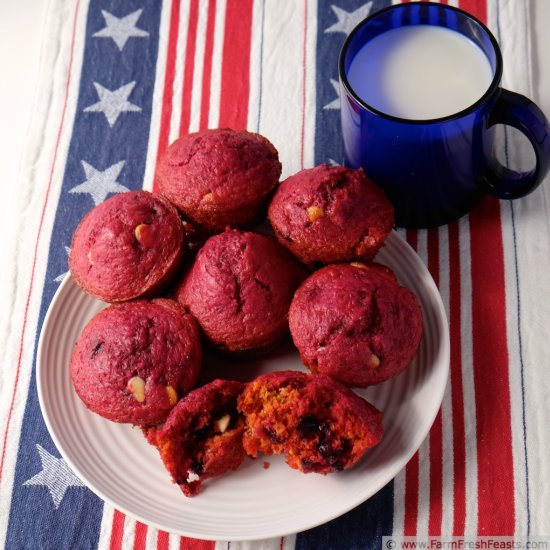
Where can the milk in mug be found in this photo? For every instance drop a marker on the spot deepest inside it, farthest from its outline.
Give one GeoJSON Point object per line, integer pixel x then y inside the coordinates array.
{"type": "Point", "coordinates": [420, 72]}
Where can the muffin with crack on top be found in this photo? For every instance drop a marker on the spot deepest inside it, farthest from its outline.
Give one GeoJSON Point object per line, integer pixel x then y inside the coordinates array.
{"type": "Point", "coordinates": [356, 323]}
{"type": "Point", "coordinates": [331, 214]}
{"type": "Point", "coordinates": [127, 247]}
{"type": "Point", "coordinates": [220, 178]}
{"type": "Point", "coordinates": [239, 289]}
{"type": "Point", "coordinates": [134, 361]}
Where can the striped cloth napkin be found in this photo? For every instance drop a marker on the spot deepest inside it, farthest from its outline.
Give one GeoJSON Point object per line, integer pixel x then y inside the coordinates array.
{"type": "Point", "coordinates": [121, 80]}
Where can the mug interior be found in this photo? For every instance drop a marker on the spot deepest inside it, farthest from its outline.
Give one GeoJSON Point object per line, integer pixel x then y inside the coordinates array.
{"type": "Point", "coordinates": [421, 13]}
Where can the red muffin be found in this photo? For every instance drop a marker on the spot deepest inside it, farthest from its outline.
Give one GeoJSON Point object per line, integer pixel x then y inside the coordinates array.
{"type": "Point", "coordinates": [356, 323]}
{"type": "Point", "coordinates": [133, 361]}
{"type": "Point", "coordinates": [239, 289]}
{"type": "Point", "coordinates": [319, 424]}
{"type": "Point", "coordinates": [331, 214]}
{"type": "Point", "coordinates": [202, 436]}
{"type": "Point", "coordinates": [127, 247]}
{"type": "Point", "coordinates": [220, 178]}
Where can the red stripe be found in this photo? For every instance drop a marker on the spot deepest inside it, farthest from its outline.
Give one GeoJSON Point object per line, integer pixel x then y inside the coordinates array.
{"type": "Point", "coordinates": [117, 531]}
{"type": "Point", "coordinates": [140, 536]}
{"type": "Point", "coordinates": [235, 86]}
{"type": "Point", "coordinates": [189, 67]}
{"type": "Point", "coordinates": [457, 390]}
{"type": "Point", "coordinates": [163, 539]}
{"type": "Point", "coordinates": [412, 470]}
{"type": "Point", "coordinates": [304, 91]}
{"type": "Point", "coordinates": [490, 351]}
{"type": "Point", "coordinates": [206, 75]}
{"type": "Point", "coordinates": [167, 96]}
{"type": "Point", "coordinates": [38, 238]}
{"type": "Point", "coordinates": [478, 8]}
{"type": "Point", "coordinates": [436, 432]}
{"type": "Point", "coordinates": [195, 544]}
{"type": "Point", "coordinates": [492, 387]}
{"type": "Point", "coordinates": [411, 497]}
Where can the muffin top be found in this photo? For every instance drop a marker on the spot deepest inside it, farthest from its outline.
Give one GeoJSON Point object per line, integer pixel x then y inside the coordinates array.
{"type": "Point", "coordinates": [239, 288]}
{"type": "Point", "coordinates": [127, 247]}
{"type": "Point", "coordinates": [219, 178]}
{"type": "Point", "coordinates": [356, 323]}
{"type": "Point", "coordinates": [133, 361]}
{"type": "Point", "coordinates": [331, 214]}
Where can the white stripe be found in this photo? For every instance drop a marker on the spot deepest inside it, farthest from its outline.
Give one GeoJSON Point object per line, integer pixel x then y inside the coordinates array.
{"type": "Point", "coordinates": [33, 178]}
{"type": "Point", "coordinates": [399, 503]}
{"type": "Point", "coordinates": [198, 65]}
{"type": "Point", "coordinates": [151, 538]}
{"type": "Point", "coordinates": [265, 544]}
{"type": "Point", "coordinates": [289, 542]}
{"type": "Point", "coordinates": [447, 405]}
{"type": "Point", "coordinates": [106, 527]}
{"type": "Point", "coordinates": [256, 67]}
{"type": "Point", "coordinates": [281, 116]}
{"type": "Point", "coordinates": [216, 74]}
{"type": "Point", "coordinates": [424, 450]}
{"type": "Point", "coordinates": [514, 373]}
{"type": "Point", "coordinates": [128, 534]}
{"type": "Point", "coordinates": [527, 294]}
{"type": "Point", "coordinates": [310, 86]}
{"type": "Point", "coordinates": [179, 72]}
{"type": "Point", "coordinates": [173, 542]}
{"type": "Point", "coordinates": [156, 108]}
{"type": "Point", "coordinates": [399, 482]}
{"type": "Point", "coordinates": [470, 425]}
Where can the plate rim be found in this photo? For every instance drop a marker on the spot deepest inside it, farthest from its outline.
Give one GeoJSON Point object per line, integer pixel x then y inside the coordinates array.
{"type": "Point", "coordinates": [398, 465]}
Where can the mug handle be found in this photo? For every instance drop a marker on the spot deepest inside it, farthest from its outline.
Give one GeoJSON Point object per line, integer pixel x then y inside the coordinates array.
{"type": "Point", "coordinates": [516, 110]}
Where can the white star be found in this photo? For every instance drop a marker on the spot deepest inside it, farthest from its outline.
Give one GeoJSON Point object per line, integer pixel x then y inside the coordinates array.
{"type": "Point", "coordinates": [100, 183]}
{"type": "Point", "coordinates": [55, 475]}
{"type": "Point", "coordinates": [113, 102]}
{"type": "Point", "coordinates": [335, 103]}
{"type": "Point", "coordinates": [59, 278]}
{"type": "Point", "coordinates": [347, 20]}
{"type": "Point", "coordinates": [120, 29]}
{"type": "Point", "coordinates": [332, 162]}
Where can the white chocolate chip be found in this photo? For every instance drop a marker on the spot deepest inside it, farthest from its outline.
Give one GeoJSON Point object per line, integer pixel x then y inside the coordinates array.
{"type": "Point", "coordinates": [222, 423]}
{"type": "Point", "coordinates": [136, 385]}
{"type": "Point", "coordinates": [192, 476]}
{"type": "Point", "coordinates": [209, 197]}
{"type": "Point", "coordinates": [374, 360]}
{"type": "Point", "coordinates": [172, 395]}
{"type": "Point", "coordinates": [139, 231]}
{"type": "Point", "coordinates": [359, 265]}
{"type": "Point", "coordinates": [314, 213]}
{"type": "Point", "coordinates": [90, 257]}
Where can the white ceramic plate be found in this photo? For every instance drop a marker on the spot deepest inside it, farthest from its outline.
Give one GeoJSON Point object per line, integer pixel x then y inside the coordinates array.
{"type": "Point", "coordinates": [255, 502]}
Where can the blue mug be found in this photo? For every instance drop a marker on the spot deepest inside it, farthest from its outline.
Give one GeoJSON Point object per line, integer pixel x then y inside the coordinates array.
{"type": "Point", "coordinates": [434, 171]}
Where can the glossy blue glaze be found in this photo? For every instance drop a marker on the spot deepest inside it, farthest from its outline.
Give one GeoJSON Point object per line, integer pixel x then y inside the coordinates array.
{"type": "Point", "coordinates": [434, 171]}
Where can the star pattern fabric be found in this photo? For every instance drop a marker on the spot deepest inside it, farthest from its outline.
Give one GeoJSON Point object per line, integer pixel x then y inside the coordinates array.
{"type": "Point", "coordinates": [120, 29]}
{"type": "Point", "coordinates": [335, 103]}
{"type": "Point", "coordinates": [62, 276]}
{"type": "Point", "coordinates": [348, 20]}
{"type": "Point", "coordinates": [55, 475]}
{"type": "Point", "coordinates": [99, 183]}
{"type": "Point", "coordinates": [113, 102]}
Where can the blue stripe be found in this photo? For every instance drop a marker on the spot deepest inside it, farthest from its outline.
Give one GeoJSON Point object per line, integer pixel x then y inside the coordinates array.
{"type": "Point", "coordinates": [364, 526]}
{"type": "Point", "coordinates": [34, 520]}
{"type": "Point", "coordinates": [360, 529]}
{"type": "Point", "coordinates": [328, 136]}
